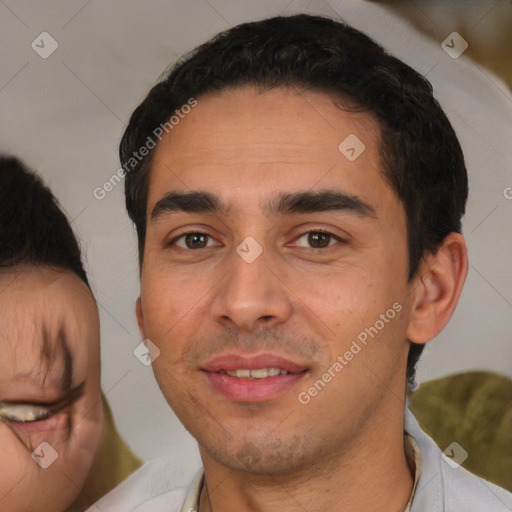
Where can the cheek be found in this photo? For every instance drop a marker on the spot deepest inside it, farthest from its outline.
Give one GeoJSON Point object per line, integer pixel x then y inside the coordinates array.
{"type": "Point", "coordinates": [78, 454]}
{"type": "Point", "coordinates": [342, 300]}
{"type": "Point", "coordinates": [355, 306]}
{"type": "Point", "coordinates": [24, 485]}
{"type": "Point", "coordinates": [14, 461]}
{"type": "Point", "coordinates": [171, 304]}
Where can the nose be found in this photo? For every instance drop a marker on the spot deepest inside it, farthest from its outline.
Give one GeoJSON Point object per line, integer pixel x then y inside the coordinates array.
{"type": "Point", "coordinates": [251, 294]}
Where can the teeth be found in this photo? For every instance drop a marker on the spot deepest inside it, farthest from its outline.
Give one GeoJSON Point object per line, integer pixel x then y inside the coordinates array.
{"type": "Point", "coordinates": [242, 374]}
{"type": "Point", "coordinates": [23, 413]}
{"type": "Point", "coordinates": [259, 373]}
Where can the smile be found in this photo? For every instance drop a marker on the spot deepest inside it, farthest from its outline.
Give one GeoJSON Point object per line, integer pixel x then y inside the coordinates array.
{"type": "Point", "coordinates": [252, 378]}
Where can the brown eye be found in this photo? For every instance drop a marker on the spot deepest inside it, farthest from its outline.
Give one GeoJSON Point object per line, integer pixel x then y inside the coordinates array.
{"type": "Point", "coordinates": [318, 239]}
{"type": "Point", "coordinates": [191, 240]}
{"type": "Point", "coordinates": [196, 240]}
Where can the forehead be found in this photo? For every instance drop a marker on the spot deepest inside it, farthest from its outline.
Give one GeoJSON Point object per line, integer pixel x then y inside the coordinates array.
{"type": "Point", "coordinates": [46, 317]}
{"type": "Point", "coordinates": [246, 140]}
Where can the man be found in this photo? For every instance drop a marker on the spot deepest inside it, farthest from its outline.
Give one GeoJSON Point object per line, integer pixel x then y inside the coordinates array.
{"type": "Point", "coordinates": [299, 225]}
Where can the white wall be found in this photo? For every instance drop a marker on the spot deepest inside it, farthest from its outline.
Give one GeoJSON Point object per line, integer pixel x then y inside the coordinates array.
{"type": "Point", "coordinates": [64, 116]}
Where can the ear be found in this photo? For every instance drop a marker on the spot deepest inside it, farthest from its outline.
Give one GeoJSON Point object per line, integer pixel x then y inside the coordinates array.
{"type": "Point", "coordinates": [437, 288]}
{"type": "Point", "coordinates": [140, 318]}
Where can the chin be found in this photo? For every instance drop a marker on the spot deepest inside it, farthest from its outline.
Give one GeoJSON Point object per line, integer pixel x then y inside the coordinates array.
{"type": "Point", "coordinates": [278, 457]}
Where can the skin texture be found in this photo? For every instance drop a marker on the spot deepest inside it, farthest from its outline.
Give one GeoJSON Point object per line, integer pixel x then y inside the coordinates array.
{"type": "Point", "coordinates": [305, 299]}
{"type": "Point", "coordinates": [47, 317]}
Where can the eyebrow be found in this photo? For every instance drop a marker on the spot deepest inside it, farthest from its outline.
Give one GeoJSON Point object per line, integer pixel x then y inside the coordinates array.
{"type": "Point", "coordinates": [286, 203]}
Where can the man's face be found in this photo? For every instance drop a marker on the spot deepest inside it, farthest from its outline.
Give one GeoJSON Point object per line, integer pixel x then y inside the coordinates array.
{"type": "Point", "coordinates": [51, 415]}
{"type": "Point", "coordinates": [330, 272]}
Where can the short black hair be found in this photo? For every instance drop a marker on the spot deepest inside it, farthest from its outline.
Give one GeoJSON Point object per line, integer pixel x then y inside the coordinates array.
{"type": "Point", "coordinates": [421, 157]}
{"type": "Point", "coordinates": [33, 228]}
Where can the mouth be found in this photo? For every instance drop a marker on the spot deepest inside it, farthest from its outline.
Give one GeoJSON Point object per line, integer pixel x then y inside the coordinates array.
{"type": "Point", "coordinates": [249, 378]}
{"type": "Point", "coordinates": [34, 416]}
{"type": "Point", "coordinates": [55, 422]}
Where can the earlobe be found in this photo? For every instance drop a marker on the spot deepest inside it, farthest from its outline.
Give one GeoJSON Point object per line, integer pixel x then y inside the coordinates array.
{"type": "Point", "coordinates": [437, 288]}
{"type": "Point", "coordinates": [140, 317]}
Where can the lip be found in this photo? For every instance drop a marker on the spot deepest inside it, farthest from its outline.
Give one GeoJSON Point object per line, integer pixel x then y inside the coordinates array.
{"type": "Point", "coordinates": [239, 361]}
{"type": "Point", "coordinates": [58, 421]}
{"type": "Point", "coordinates": [257, 390]}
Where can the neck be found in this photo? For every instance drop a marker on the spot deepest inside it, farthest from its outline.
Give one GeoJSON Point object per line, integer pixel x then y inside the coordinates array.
{"type": "Point", "coordinates": [372, 475]}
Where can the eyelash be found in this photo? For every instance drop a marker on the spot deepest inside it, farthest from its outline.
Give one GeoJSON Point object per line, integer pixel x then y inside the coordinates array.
{"type": "Point", "coordinates": [315, 231]}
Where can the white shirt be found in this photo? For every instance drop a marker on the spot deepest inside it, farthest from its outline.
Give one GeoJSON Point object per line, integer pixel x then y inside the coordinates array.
{"type": "Point", "coordinates": [441, 485]}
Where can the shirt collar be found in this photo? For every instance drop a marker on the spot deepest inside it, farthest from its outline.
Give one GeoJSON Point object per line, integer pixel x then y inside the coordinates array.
{"type": "Point", "coordinates": [191, 503]}
{"type": "Point", "coordinates": [415, 461]}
